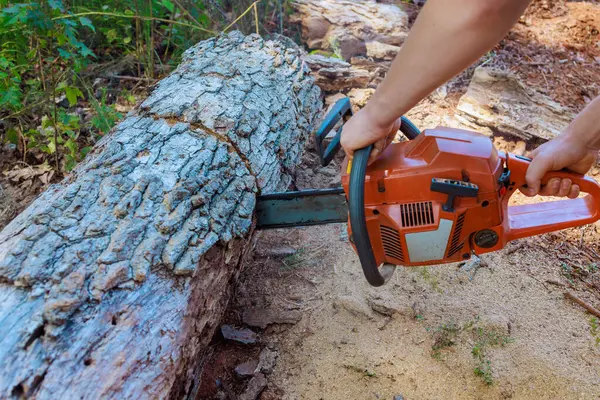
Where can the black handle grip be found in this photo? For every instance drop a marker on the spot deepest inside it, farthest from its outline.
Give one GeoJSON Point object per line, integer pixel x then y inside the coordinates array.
{"type": "Point", "coordinates": [358, 222]}
{"type": "Point", "coordinates": [356, 208]}
{"type": "Point", "coordinates": [341, 109]}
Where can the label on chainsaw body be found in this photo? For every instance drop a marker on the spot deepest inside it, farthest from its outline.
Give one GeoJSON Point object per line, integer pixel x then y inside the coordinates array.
{"type": "Point", "coordinates": [431, 245]}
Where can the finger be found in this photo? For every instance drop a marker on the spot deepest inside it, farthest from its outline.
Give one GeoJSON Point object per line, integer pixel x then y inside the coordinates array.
{"type": "Point", "coordinates": [551, 188]}
{"type": "Point", "coordinates": [565, 187]}
{"type": "Point", "coordinates": [534, 152]}
{"type": "Point", "coordinates": [574, 192]}
{"type": "Point", "coordinates": [349, 153]}
{"type": "Point", "coordinates": [536, 170]}
{"type": "Point", "coordinates": [373, 156]}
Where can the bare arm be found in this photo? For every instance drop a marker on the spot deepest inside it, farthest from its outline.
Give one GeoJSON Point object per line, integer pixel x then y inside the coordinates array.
{"type": "Point", "coordinates": [447, 37]}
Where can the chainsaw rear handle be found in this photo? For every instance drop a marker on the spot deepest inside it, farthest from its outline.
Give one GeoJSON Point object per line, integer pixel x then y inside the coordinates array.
{"type": "Point", "coordinates": [534, 219]}
{"type": "Point", "coordinates": [356, 208]}
{"type": "Point", "coordinates": [343, 110]}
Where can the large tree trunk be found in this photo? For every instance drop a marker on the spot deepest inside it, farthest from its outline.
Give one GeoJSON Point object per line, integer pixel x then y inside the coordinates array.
{"type": "Point", "coordinates": [112, 282]}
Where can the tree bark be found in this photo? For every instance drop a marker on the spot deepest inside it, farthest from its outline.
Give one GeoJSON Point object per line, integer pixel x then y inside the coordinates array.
{"type": "Point", "coordinates": [112, 282]}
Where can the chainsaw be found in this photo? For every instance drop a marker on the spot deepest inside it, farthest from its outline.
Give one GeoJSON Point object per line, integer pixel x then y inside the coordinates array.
{"type": "Point", "coordinates": [436, 198]}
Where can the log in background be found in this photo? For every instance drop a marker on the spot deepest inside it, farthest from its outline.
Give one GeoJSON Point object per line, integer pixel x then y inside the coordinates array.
{"type": "Point", "coordinates": [112, 282]}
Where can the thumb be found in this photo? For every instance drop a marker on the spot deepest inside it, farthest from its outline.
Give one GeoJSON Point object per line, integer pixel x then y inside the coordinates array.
{"type": "Point", "coordinates": [535, 172]}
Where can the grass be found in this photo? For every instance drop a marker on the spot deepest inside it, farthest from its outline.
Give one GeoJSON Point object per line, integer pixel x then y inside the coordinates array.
{"type": "Point", "coordinates": [429, 278]}
{"type": "Point", "coordinates": [444, 337]}
{"type": "Point", "coordinates": [484, 338]}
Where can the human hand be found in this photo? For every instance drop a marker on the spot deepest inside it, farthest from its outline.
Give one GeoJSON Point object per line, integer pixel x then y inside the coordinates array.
{"type": "Point", "coordinates": [363, 129]}
{"type": "Point", "coordinates": [564, 151]}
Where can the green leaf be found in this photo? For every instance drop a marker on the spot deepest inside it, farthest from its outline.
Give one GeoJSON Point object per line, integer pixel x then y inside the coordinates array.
{"type": "Point", "coordinates": [72, 146]}
{"type": "Point", "coordinates": [51, 146]}
{"type": "Point", "coordinates": [64, 53]}
{"type": "Point", "coordinates": [127, 40]}
{"type": "Point", "coordinates": [168, 5]}
{"type": "Point", "coordinates": [111, 35]}
{"type": "Point", "coordinates": [72, 94]}
{"type": "Point", "coordinates": [56, 5]}
{"type": "Point", "coordinates": [85, 150]}
{"type": "Point", "coordinates": [87, 22]}
{"type": "Point", "coordinates": [12, 96]}
{"type": "Point", "coordinates": [12, 136]}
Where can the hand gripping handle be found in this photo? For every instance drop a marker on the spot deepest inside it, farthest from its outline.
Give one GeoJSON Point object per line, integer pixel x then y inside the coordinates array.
{"type": "Point", "coordinates": [534, 219]}
{"type": "Point", "coordinates": [356, 209]}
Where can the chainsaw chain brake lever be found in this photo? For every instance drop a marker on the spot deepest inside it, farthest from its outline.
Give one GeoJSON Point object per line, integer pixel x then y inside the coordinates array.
{"type": "Point", "coordinates": [356, 208]}
{"type": "Point", "coordinates": [343, 110]}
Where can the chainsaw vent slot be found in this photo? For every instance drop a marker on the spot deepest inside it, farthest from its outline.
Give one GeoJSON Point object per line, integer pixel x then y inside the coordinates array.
{"type": "Point", "coordinates": [455, 246]}
{"type": "Point", "coordinates": [417, 214]}
{"type": "Point", "coordinates": [391, 242]}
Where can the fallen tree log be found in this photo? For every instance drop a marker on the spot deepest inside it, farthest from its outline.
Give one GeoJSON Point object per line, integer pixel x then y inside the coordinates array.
{"type": "Point", "coordinates": [346, 26]}
{"type": "Point", "coordinates": [499, 101]}
{"type": "Point", "coordinates": [112, 282]}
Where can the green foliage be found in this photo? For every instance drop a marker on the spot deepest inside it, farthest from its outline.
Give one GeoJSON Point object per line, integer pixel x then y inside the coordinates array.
{"type": "Point", "coordinates": [444, 337]}
{"type": "Point", "coordinates": [52, 52]}
{"type": "Point", "coordinates": [486, 338]}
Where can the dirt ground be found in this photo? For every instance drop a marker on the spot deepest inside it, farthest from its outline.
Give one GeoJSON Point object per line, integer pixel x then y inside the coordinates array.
{"type": "Point", "coordinates": [503, 330]}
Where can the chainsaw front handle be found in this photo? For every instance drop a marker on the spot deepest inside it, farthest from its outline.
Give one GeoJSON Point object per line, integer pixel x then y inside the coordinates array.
{"type": "Point", "coordinates": [341, 110]}
{"type": "Point", "coordinates": [358, 221]}
{"type": "Point", "coordinates": [534, 219]}
{"type": "Point", "coordinates": [356, 209]}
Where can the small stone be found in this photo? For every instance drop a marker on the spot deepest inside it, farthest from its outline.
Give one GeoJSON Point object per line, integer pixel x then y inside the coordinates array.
{"type": "Point", "coordinates": [359, 97]}
{"type": "Point", "coordinates": [383, 306]}
{"type": "Point", "coordinates": [246, 369]}
{"type": "Point", "coordinates": [276, 252]}
{"type": "Point", "coordinates": [398, 397]}
{"type": "Point", "coordinates": [262, 317]}
{"type": "Point", "coordinates": [243, 335]}
{"type": "Point", "coordinates": [255, 387]}
{"type": "Point", "coordinates": [382, 51]}
{"type": "Point", "coordinates": [332, 99]}
{"type": "Point", "coordinates": [520, 148]}
{"type": "Point", "coordinates": [354, 306]}
{"type": "Point", "coordinates": [268, 359]}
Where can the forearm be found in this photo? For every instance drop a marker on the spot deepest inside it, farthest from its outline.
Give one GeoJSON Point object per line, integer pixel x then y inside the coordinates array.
{"type": "Point", "coordinates": [448, 36]}
{"type": "Point", "coordinates": [586, 126]}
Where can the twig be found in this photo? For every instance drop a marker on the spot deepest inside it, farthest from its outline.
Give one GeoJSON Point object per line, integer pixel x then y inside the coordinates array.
{"type": "Point", "coordinates": [186, 12]}
{"type": "Point", "coordinates": [516, 248]}
{"type": "Point", "coordinates": [555, 282]}
{"type": "Point", "coordinates": [130, 78]}
{"type": "Point", "coordinates": [240, 17]}
{"type": "Point", "coordinates": [256, 18]}
{"type": "Point", "coordinates": [107, 14]}
{"type": "Point", "coordinates": [591, 309]}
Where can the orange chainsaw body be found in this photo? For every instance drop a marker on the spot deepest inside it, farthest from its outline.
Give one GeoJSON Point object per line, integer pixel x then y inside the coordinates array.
{"type": "Point", "coordinates": [412, 220]}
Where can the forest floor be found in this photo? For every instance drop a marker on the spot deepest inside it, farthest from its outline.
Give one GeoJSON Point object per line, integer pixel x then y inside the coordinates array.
{"type": "Point", "coordinates": [504, 330]}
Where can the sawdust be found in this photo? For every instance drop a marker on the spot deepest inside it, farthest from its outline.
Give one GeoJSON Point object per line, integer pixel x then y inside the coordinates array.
{"type": "Point", "coordinates": [501, 331]}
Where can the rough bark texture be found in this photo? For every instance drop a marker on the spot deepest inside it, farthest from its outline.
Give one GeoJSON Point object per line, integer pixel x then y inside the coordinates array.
{"type": "Point", "coordinates": [112, 282]}
{"type": "Point", "coordinates": [345, 26]}
{"type": "Point", "coordinates": [497, 100]}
